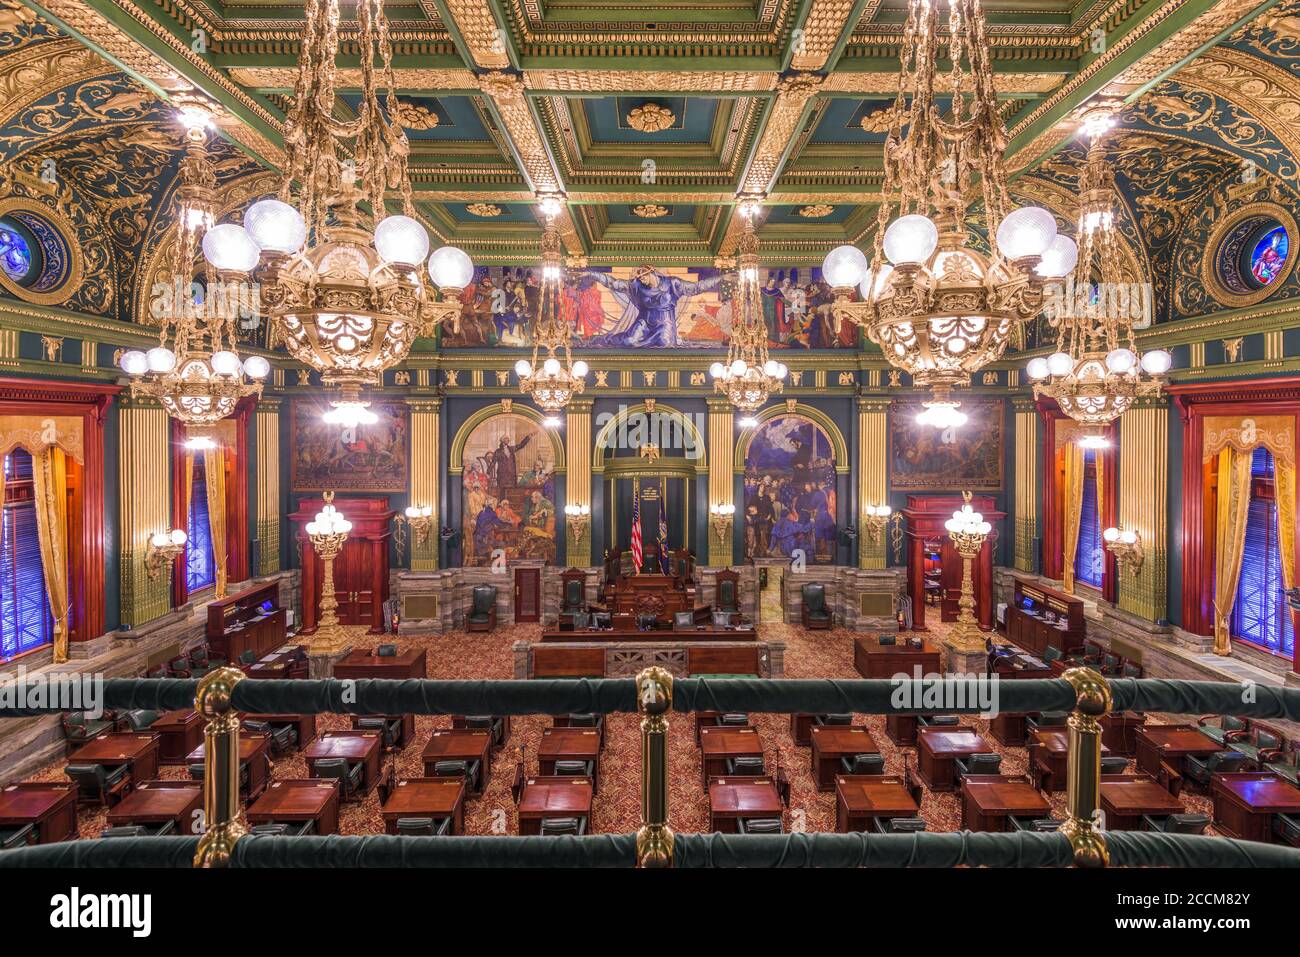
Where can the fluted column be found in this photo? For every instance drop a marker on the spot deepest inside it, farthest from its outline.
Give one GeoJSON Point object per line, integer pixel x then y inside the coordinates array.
{"type": "Point", "coordinates": [1143, 505]}
{"type": "Point", "coordinates": [873, 479]}
{"type": "Point", "coordinates": [577, 452]}
{"type": "Point", "coordinates": [268, 486]}
{"type": "Point", "coordinates": [144, 504]}
{"type": "Point", "coordinates": [426, 488]}
{"type": "Point", "coordinates": [722, 443]}
{"type": "Point", "coordinates": [1026, 483]}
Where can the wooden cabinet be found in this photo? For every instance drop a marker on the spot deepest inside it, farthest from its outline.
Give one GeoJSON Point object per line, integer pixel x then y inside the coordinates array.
{"type": "Point", "coordinates": [361, 569]}
{"type": "Point", "coordinates": [249, 621]}
{"type": "Point", "coordinates": [1039, 616]}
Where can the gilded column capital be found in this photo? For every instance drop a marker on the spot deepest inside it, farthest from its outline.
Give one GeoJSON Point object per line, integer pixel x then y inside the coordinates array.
{"type": "Point", "coordinates": [579, 407]}
{"type": "Point", "coordinates": [719, 406]}
{"type": "Point", "coordinates": [867, 403]}
{"type": "Point", "coordinates": [426, 405]}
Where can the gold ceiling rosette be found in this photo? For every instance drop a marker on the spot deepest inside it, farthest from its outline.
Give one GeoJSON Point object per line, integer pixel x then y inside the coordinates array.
{"type": "Point", "coordinates": [938, 308]}
{"type": "Point", "coordinates": [348, 289]}
{"type": "Point", "coordinates": [651, 118]}
{"type": "Point", "coordinates": [1096, 372]}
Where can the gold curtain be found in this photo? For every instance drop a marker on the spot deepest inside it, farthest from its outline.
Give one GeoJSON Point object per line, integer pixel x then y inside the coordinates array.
{"type": "Point", "coordinates": [214, 464]}
{"type": "Point", "coordinates": [1074, 472]}
{"type": "Point", "coordinates": [1099, 465]}
{"type": "Point", "coordinates": [1284, 479]}
{"type": "Point", "coordinates": [1229, 540]}
{"type": "Point", "coordinates": [50, 487]}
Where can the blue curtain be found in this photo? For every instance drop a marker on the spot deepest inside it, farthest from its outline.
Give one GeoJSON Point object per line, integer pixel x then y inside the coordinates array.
{"type": "Point", "coordinates": [1260, 614]}
{"type": "Point", "coordinates": [1090, 553]}
{"type": "Point", "coordinates": [25, 620]}
{"type": "Point", "coordinates": [200, 566]}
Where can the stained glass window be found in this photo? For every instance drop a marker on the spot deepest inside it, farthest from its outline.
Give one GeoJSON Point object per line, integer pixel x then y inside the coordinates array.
{"type": "Point", "coordinates": [200, 568]}
{"type": "Point", "coordinates": [15, 253]}
{"type": "Point", "coordinates": [1090, 553]}
{"type": "Point", "coordinates": [25, 620]}
{"type": "Point", "coordinates": [1261, 615]}
{"type": "Point", "coordinates": [1269, 255]}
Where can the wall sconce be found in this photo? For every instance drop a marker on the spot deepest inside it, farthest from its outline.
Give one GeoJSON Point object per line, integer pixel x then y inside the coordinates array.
{"type": "Point", "coordinates": [1126, 546]}
{"type": "Point", "coordinates": [419, 519]}
{"type": "Point", "coordinates": [579, 517]}
{"type": "Point", "coordinates": [163, 549]}
{"type": "Point", "coordinates": [875, 517]}
{"type": "Point", "coordinates": [721, 516]}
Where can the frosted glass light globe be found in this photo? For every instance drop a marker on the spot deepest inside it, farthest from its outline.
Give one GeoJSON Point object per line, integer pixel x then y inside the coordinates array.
{"type": "Point", "coordinates": [523, 368]}
{"type": "Point", "coordinates": [1028, 231]}
{"type": "Point", "coordinates": [1060, 258]}
{"type": "Point", "coordinates": [1120, 360]}
{"type": "Point", "coordinates": [450, 268]}
{"type": "Point", "coordinates": [770, 368]}
{"type": "Point", "coordinates": [1037, 368]}
{"type": "Point", "coordinates": [256, 367]}
{"type": "Point", "coordinates": [230, 247]}
{"type": "Point", "coordinates": [551, 366]}
{"type": "Point", "coordinates": [874, 282]}
{"type": "Point", "coordinates": [134, 362]}
{"type": "Point", "coordinates": [911, 239]}
{"type": "Point", "coordinates": [1060, 363]}
{"type": "Point", "coordinates": [160, 359]}
{"type": "Point", "coordinates": [1111, 534]}
{"type": "Point", "coordinates": [580, 368]}
{"type": "Point", "coordinates": [225, 363]}
{"type": "Point", "coordinates": [275, 226]}
{"type": "Point", "coordinates": [717, 370]}
{"type": "Point", "coordinates": [400, 239]}
{"type": "Point", "coordinates": [844, 266]}
{"type": "Point", "coordinates": [178, 536]}
{"type": "Point", "coordinates": [738, 367]}
{"type": "Point", "coordinates": [781, 370]}
{"type": "Point", "coordinates": [1155, 362]}
{"type": "Point", "coordinates": [1128, 537]}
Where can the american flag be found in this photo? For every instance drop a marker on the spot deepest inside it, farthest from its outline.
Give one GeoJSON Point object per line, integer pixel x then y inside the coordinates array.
{"type": "Point", "coordinates": [638, 555]}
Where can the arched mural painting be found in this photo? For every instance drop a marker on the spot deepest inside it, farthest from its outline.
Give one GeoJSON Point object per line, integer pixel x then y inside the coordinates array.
{"type": "Point", "coordinates": [509, 491]}
{"type": "Point", "coordinates": [790, 491]}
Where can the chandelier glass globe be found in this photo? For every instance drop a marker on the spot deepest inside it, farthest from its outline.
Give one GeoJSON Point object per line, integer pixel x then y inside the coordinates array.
{"type": "Point", "coordinates": [230, 248]}
{"type": "Point", "coordinates": [225, 363]}
{"type": "Point", "coordinates": [276, 227]}
{"type": "Point", "coordinates": [1028, 231]}
{"type": "Point", "coordinates": [1156, 362]}
{"type": "Point", "coordinates": [1060, 258]}
{"type": "Point", "coordinates": [134, 362]}
{"type": "Point", "coordinates": [844, 266]}
{"type": "Point", "coordinates": [1059, 363]}
{"type": "Point", "coordinates": [401, 239]}
{"type": "Point", "coordinates": [160, 359]}
{"type": "Point", "coordinates": [911, 239]}
{"type": "Point", "coordinates": [256, 367]}
{"type": "Point", "coordinates": [1120, 360]}
{"type": "Point", "coordinates": [450, 268]}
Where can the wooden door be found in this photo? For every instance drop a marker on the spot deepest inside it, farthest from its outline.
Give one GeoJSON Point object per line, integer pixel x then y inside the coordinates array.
{"type": "Point", "coordinates": [528, 594]}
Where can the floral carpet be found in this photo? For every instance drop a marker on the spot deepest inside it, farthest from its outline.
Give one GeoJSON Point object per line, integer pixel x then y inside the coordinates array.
{"type": "Point", "coordinates": [616, 807]}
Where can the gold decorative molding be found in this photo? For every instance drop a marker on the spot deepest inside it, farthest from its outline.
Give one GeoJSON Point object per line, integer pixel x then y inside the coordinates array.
{"type": "Point", "coordinates": [873, 478]}
{"type": "Point", "coordinates": [650, 210]}
{"type": "Point", "coordinates": [814, 41]}
{"type": "Point", "coordinates": [267, 420]}
{"type": "Point", "coordinates": [426, 472]}
{"type": "Point", "coordinates": [416, 116]}
{"type": "Point", "coordinates": [478, 28]}
{"type": "Point", "coordinates": [651, 118]}
{"type": "Point", "coordinates": [485, 210]}
{"type": "Point", "coordinates": [816, 211]}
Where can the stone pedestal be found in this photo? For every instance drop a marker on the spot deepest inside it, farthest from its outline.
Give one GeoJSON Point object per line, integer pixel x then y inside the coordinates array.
{"type": "Point", "coordinates": [320, 664]}
{"type": "Point", "coordinates": [959, 662]}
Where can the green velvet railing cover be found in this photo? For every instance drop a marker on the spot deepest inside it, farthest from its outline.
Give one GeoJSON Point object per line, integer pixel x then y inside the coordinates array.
{"type": "Point", "coordinates": [115, 852]}
{"type": "Point", "coordinates": [924, 849]}
{"type": "Point", "coordinates": [384, 850]}
{"type": "Point", "coordinates": [1157, 849]}
{"type": "Point", "coordinates": [605, 695]}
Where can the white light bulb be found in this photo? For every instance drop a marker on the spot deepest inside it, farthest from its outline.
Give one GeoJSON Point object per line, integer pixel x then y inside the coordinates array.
{"type": "Point", "coordinates": [1028, 231]}
{"type": "Point", "coordinates": [844, 266]}
{"type": "Point", "coordinates": [1156, 362]}
{"type": "Point", "coordinates": [178, 536]}
{"type": "Point", "coordinates": [1060, 363]}
{"type": "Point", "coordinates": [580, 368]}
{"type": "Point", "coordinates": [401, 239]}
{"type": "Point", "coordinates": [160, 359]}
{"type": "Point", "coordinates": [770, 368]}
{"type": "Point", "coordinates": [450, 268]}
{"type": "Point", "coordinates": [717, 370]}
{"type": "Point", "coordinates": [134, 362]}
{"type": "Point", "coordinates": [1060, 258]}
{"type": "Point", "coordinates": [225, 363]}
{"type": "Point", "coordinates": [1120, 360]}
{"type": "Point", "coordinates": [885, 510]}
{"type": "Point", "coordinates": [275, 226]}
{"type": "Point", "coordinates": [1037, 368]}
{"type": "Point", "coordinates": [911, 239]}
{"type": "Point", "coordinates": [551, 366]}
{"type": "Point", "coordinates": [1111, 534]}
{"type": "Point", "coordinates": [781, 370]}
{"type": "Point", "coordinates": [256, 367]}
{"type": "Point", "coordinates": [523, 368]}
{"type": "Point", "coordinates": [1128, 537]}
{"type": "Point", "coordinates": [230, 248]}
{"type": "Point", "coordinates": [739, 367]}
{"type": "Point", "coordinates": [159, 539]}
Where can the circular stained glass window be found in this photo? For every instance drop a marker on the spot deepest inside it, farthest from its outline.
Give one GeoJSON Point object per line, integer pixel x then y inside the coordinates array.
{"type": "Point", "coordinates": [1249, 254]}
{"type": "Point", "coordinates": [1268, 255]}
{"type": "Point", "coordinates": [18, 255]}
{"type": "Point", "coordinates": [38, 261]}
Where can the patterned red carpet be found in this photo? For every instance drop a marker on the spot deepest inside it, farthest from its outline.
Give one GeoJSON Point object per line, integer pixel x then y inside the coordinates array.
{"type": "Point", "coordinates": [617, 805]}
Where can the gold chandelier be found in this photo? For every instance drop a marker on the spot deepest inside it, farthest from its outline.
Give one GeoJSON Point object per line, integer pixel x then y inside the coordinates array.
{"type": "Point", "coordinates": [749, 377]}
{"type": "Point", "coordinates": [1096, 372]}
{"type": "Point", "coordinates": [352, 302]}
{"type": "Point", "coordinates": [552, 378]}
{"type": "Point", "coordinates": [194, 372]}
{"type": "Point", "coordinates": [940, 309]}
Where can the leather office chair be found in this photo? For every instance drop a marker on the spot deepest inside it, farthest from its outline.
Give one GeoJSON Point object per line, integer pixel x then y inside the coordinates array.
{"type": "Point", "coordinates": [78, 728]}
{"type": "Point", "coordinates": [1046, 720]}
{"type": "Point", "coordinates": [196, 773]}
{"type": "Point", "coordinates": [1217, 728]}
{"type": "Point", "coordinates": [126, 830]}
{"type": "Point", "coordinates": [1114, 765]}
{"type": "Point", "coordinates": [201, 662]}
{"type": "Point", "coordinates": [1286, 828]}
{"type": "Point", "coordinates": [494, 725]}
{"type": "Point", "coordinates": [1259, 743]}
{"type": "Point", "coordinates": [163, 829]}
{"type": "Point", "coordinates": [483, 609]}
{"type": "Point", "coordinates": [1201, 770]}
{"type": "Point", "coordinates": [557, 826]}
{"type": "Point", "coordinates": [97, 784]}
{"type": "Point", "coordinates": [937, 720]}
{"type": "Point", "coordinates": [573, 599]}
{"type": "Point", "coordinates": [391, 728]}
{"type": "Point", "coordinates": [284, 829]}
{"type": "Point", "coordinates": [348, 775]}
{"type": "Point", "coordinates": [1287, 764]}
{"type": "Point", "coordinates": [1051, 653]}
{"type": "Point", "coordinates": [423, 826]}
{"type": "Point", "coordinates": [142, 719]}
{"type": "Point", "coordinates": [1131, 670]}
{"type": "Point", "coordinates": [1177, 823]}
{"type": "Point", "coordinates": [1038, 824]}
{"type": "Point", "coordinates": [863, 764]}
{"type": "Point", "coordinates": [683, 621]}
{"type": "Point", "coordinates": [588, 720]}
{"type": "Point", "coordinates": [388, 650]}
{"type": "Point", "coordinates": [988, 763]}
{"type": "Point", "coordinates": [469, 770]}
{"type": "Point", "coordinates": [887, 640]}
{"type": "Point", "coordinates": [247, 657]}
{"type": "Point", "coordinates": [179, 667]}
{"type": "Point", "coordinates": [748, 767]}
{"type": "Point", "coordinates": [898, 825]}
{"type": "Point", "coordinates": [732, 719]}
{"type": "Point", "coordinates": [728, 591]}
{"type": "Point", "coordinates": [17, 837]}
{"type": "Point", "coordinates": [574, 769]}
{"type": "Point", "coordinates": [759, 825]}
{"type": "Point", "coordinates": [813, 611]}
{"type": "Point", "coordinates": [823, 720]}
{"type": "Point", "coordinates": [283, 736]}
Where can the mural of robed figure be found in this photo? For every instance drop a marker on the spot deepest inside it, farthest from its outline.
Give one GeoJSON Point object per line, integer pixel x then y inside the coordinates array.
{"type": "Point", "coordinates": [650, 315]}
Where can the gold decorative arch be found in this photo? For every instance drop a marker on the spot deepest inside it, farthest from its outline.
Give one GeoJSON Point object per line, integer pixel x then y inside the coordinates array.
{"type": "Point", "coordinates": [456, 464]}
{"type": "Point", "coordinates": [599, 446]}
{"type": "Point", "coordinates": [816, 416]}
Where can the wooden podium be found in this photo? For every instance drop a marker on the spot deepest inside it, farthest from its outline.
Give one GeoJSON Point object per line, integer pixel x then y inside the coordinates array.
{"type": "Point", "coordinates": [360, 571]}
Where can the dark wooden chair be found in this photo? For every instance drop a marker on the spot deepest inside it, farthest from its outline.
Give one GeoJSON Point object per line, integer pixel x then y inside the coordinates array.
{"type": "Point", "coordinates": [728, 591]}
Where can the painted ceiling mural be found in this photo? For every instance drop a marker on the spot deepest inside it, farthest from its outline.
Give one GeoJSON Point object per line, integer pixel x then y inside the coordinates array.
{"type": "Point", "coordinates": [503, 99]}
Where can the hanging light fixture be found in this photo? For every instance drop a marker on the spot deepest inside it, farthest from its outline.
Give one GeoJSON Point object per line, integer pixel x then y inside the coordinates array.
{"type": "Point", "coordinates": [351, 303]}
{"type": "Point", "coordinates": [1096, 371]}
{"type": "Point", "coordinates": [194, 372]}
{"type": "Point", "coordinates": [938, 308]}
{"type": "Point", "coordinates": [552, 378]}
{"type": "Point", "coordinates": [749, 377]}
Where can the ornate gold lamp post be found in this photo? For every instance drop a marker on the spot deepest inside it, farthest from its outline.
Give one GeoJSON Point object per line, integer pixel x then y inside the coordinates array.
{"type": "Point", "coordinates": [163, 550]}
{"type": "Point", "coordinates": [968, 532]}
{"type": "Point", "coordinates": [327, 532]}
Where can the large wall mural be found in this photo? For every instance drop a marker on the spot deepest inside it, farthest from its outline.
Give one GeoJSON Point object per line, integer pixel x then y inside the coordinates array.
{"type": "Point", "coordinates": [927, 459]}
{"type": "Point", "coordinates": [650, 307]}
{"type": "Point", "coordinates": [369, 458]}
{"type": "Point", "coordinates": [509, 491]}
{"type": "Point", "coordinates": [790, 501]}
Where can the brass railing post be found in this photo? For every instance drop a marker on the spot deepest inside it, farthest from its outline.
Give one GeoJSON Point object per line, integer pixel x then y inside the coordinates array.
{"type": "Point", "coordinates": [1083, 770]}
{"type": "Point", "coordinates": [220, 768]}
{"type": "Point", "coordinates": [654, 841]}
